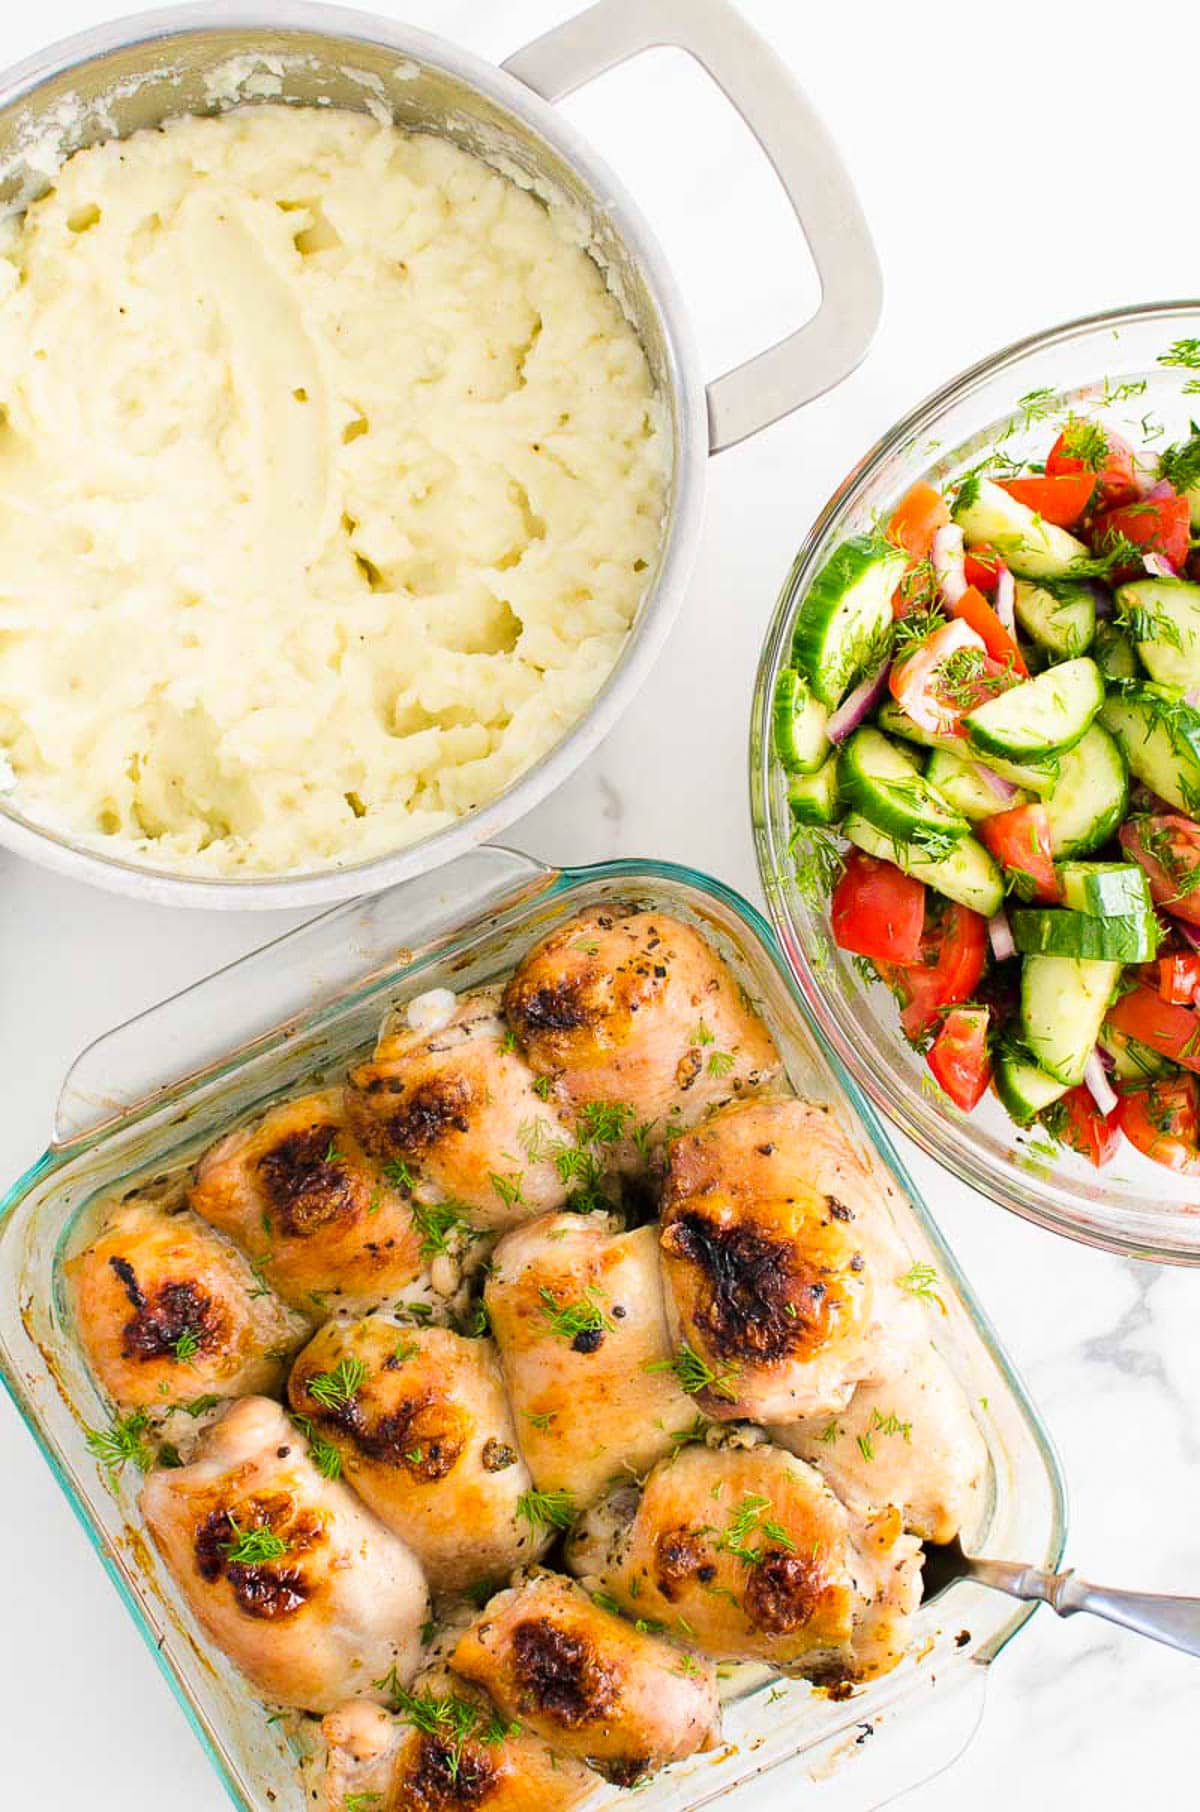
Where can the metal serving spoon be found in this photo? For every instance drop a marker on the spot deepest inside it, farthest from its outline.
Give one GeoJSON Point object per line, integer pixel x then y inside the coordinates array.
{"type": "Point", "coordinates": [1175, 1621]}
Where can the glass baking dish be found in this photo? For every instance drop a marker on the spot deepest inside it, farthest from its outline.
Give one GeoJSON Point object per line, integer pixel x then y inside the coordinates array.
{"type": "Point", "coordinates": [146, 1098]}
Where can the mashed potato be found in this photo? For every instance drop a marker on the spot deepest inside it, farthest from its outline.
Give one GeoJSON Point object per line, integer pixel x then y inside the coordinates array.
{"type": "Point", "coordinates": [331, 478]}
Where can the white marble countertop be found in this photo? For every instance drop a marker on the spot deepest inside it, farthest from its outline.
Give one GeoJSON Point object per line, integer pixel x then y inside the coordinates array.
{"type": "Point", "coordinates": [1017, 171]}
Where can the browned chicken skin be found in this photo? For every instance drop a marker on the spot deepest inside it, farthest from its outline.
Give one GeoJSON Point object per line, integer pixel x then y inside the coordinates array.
{"type": "Point", "coordinates": [426, 1438]}
{"type": "Point", "coordinates": [300, 1585]}
{"type": "Point", "coordinates": [636, 1009]}
{"type": "Point", "coordinates": [168, 1311]}
{"type": "Point", "coordinates": [457, 1106]}
{"type": "Point", "coordinates": [315, 1214]}
{"type": "Point", "coordinates": [594, 1687]}
{"type": "Point", "coordinates": [749, 1552]}
{"type": "Point", "coordinates": [450, 1750]}
{"type": "Point", "coordinates": [577, 1311]}
{"type": "Point", "coordinates": [781, 1263]}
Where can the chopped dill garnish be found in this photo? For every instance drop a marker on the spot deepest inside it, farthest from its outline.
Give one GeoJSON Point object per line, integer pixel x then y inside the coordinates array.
{"type": "Point", "coordinates": [694, 1373]}
{"type": "Point", "coordinates": [451, 1722]}
{"type": "Point", "coordinates": [323, 1454]}
{"type": "Point", "coordinates": [1182, 352]}
{"type": "Point", "coordinates": [919, 1280]}
{"type": "Point", "coordinates": [546, 1509]}
{"type": "Point", "coordinates": [186, 1346]}
{"type": "Point", "coordinates": [570, 1320]}
{"type": "Point", "coordinates": [399, 1175]}
{"type": "Point", "coordinates": [199, 1405]}
{"type": "Point", "coordinates": [603, 1122]}
{"type": "Point", "coordinates": [720, 1063]}
{"type": "Point", "coordinates": [543, 1087]}
{"type": "Point", "coordinates": [252, 1547]}
{"type": "Point", "coordinates": [122, 1442]}
{"type": "Point", "coordinates": [440, 1226]}
{"type": "Point", "coordinates": [508, 1188]}
{"type": "Point", "coordinates": [338, 1388]}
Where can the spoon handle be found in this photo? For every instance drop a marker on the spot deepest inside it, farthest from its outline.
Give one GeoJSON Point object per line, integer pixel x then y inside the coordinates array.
{"type": "Point", "coordinates": [1175, 1621]}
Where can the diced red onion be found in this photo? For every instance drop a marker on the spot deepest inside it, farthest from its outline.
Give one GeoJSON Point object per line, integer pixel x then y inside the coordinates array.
{"type": "Point", "coordinates": [1158, 566]}
{"type": "Point", "coordinates": [1004, 601]}
{"type": "Point", "coordinates": [1004, 790]}
{"type": "Point", "coordinates": [1000, 934]}
{"type": "Point", "coordinates": [858, 704]}
{"type": "Point", "coordinates": [1103, 600]}
{"type": "Point", "coordinates": [1097, 1084]}
{"type": "Point", "coordinates": [1162, 489]}
{"type": "Point", "coordinates": [949, 562]}
{"type": "Point", "coordinates": [1192, 697]}
{"type": "Point", "coordinates": [1188, 932]}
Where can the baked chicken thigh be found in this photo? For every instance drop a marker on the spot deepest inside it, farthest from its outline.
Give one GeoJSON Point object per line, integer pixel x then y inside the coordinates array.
{"type": "Point", "coordinates": [577, 1312]}
{"type": "Point", "coordinates": [594, 1687]}
{"type": "Point", "coordinates": [749, 1552]}
{"type": "Point", "coordinates": [446, 1749]}
{"type": "Point", "coordinates": [455, 1105]}
{"type": "Point", "coordinates": [169, 1312]}
{"type": "Point", "coordinates": [636, 1010]}
{"type": "Point", "coordinates": [908, 1440]}
{"type": "Point", "coordinates": [782, 1267]}
{"type": "Point", "coordinates": [425, 1435]}
{"type": "Point", "coordinates": [292, 1578]}
{"type": "Point", "coordinates": [316, 1215]}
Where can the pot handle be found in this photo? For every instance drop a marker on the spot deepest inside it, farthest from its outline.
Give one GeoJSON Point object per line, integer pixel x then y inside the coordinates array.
{"type": "Point", "coordinates": [280, 988]}
{"type": "Point", "coordinates": [749, 73]}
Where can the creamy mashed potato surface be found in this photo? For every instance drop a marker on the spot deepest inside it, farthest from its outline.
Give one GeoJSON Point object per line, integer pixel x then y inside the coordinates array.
{"type": "Point", "coordinates": [331, 478]}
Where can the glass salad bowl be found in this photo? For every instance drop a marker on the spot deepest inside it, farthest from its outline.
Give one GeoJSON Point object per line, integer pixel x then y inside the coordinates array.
{"type": "Point", "coordinates": [1138, 371]}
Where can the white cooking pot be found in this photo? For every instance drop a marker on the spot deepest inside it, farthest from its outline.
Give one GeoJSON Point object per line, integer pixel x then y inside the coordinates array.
{"type": "Point", "coordinates": [137, 72]}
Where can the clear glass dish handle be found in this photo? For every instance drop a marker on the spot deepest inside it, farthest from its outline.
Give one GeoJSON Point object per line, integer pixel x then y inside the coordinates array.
{"type": "Point", "coordinates": [759, 84]}
{"type": "Point", "coordinates": [283, 982]}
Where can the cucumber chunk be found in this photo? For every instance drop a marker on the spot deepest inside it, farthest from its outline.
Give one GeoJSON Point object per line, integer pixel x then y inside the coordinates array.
{"type": "Point", "coordinates": [1163, 618]}
{"type": "Point", "coordinates": [1092, 796]}
{"type": "Point", "coordinates": [798, 723]}
{"type": "Point", "coordinates": [1159, 736]}
{"type": "Point", "coordinates": [1031, 548]}
{"type": "Point", "coordinates": [964, 785]}
{"type": "Point", "coordinates": [1105, 888]}
{"type": "Point", "coordinates": [1024, 1089]}
{"type": "Point", "coordinates": [1113, 653]}
{"type": "Point", "coordinates": [967, 874]}
{"type": "Point", "coordinates": [1062, 620]}
{"type": "Point", "coordinates": [1120, 938]}
{"type": "Point", "coordinates": [1041, 716]}
{"type": "Point", "coordinates": [815, 798]}
{"type": "Point", "coordinates": [1133, 1061]}
{"type": "Point", "coordinates": [845, 614]}
{"type": "Point", "coordinates": [1063, 1003]}
{"type": "Point", "coordinates": [1040, 777]}
{"type": "Point", "coordinates": [879, 779]}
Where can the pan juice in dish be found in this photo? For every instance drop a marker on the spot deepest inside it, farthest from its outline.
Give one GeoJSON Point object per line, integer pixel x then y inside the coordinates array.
{"type": "Point", "coordinates": [497, 1400]}
{"type": "Point", "coordinates": [334, 476]}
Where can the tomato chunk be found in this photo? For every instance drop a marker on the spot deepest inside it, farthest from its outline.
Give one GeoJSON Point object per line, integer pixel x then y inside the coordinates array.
{"type": "Point", "coordinates": [959, 1056]}
{"type": "Point", "coordinates": [974, 610]}
{"type": "Point", "coordinates": [1075, 1120]}
{"type": "Point", "coordinates": [981, 567]}
{"type": "Point", "coordinates": [877, 911]}
{"type": "Point", "coordinates": [917, 518]}
{"type": "Point", "coordinates": [1167, 845]}
{"type": "Point", "coordinates": [1086, 446]}
{"type": "Point", "coordinates": [1155, 525]}
{"type": "Point", "coordinates": [1160, 1118]}
{"type": "Point", "coordinates": [1062, 500]}
{"type": "Point", "coordinates": [1171, 1030]}
{"type": "Point", "coordinates": [1179, 978]}
{"type": "Point", "coordinates": [948, 968]}
{"type": "Point", "coordinates": [917, 682]}
{"type": "Point", "coordinates": [1020, 842]}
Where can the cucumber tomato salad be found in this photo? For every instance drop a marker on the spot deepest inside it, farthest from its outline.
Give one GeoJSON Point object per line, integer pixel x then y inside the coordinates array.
{"type": "Point", "coordinates": [994, 702]}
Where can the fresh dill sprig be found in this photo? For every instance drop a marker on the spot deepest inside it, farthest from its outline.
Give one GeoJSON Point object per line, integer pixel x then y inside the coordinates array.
{"type": "Point", "coordinates": [585, 1317]}
{"type": "Point", "coordinates": [817, 861]}
{"type": "Point", "coordinates": [508, 1187]}
{"type": "Point", "coordinates": [186, 1346]}
{"type": "Point", "coordinates": [338, 1388]}
{"type": "Point", "coordinates": [441, 1227]}
{"type": "Point", "coordinates": [547, 1509]}
{"type": "Point", "coordinates": [253, 1547]}
{"type": "Point", "coordinates": [121, 1443]}
{"type": "Point", "coordinates": [694, 1373]}
{"type": "Point", "coordinates": [399, 1175]}
{"type": "Point", "coordinates": [450, 1721]}
{"type": "Point", "coordinates": [1180, 465]}
{"type": "Point", "coordinates": [1182, 352]}
{"type": "Point", "coordinates": [323, 1454]}
{"type": "Point", "coordinates": [919, 1280]}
